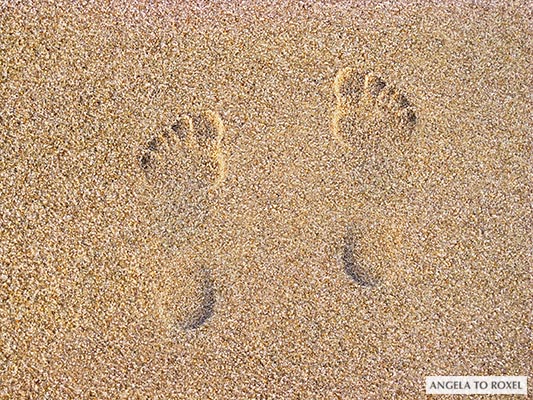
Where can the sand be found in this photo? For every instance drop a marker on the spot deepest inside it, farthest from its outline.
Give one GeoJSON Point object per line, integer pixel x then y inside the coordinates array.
{"type": "Point", "coordinates": [342, 211]}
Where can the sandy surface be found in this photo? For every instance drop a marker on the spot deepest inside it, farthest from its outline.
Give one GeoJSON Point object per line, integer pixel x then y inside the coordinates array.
{"type": "Point", "coordinates": [297, 271]}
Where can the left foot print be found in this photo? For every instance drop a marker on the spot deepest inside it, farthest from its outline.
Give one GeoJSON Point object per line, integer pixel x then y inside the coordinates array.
{"type": "Point", "coordinates": [181, 167]}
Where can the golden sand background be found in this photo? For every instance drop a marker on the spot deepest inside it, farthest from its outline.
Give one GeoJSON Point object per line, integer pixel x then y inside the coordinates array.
{"type": "Point", "coordinates": [82, 90]}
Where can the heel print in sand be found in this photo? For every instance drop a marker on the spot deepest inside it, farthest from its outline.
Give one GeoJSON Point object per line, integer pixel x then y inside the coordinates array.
{"type": "Point", "coordinates": [205, 304]}
{"type": "Point", "coordinates": [375, 124]}
{"type": "Point", "coordinates": [353, 261]}
{"type": "Point", "coordinates": [182, 166]}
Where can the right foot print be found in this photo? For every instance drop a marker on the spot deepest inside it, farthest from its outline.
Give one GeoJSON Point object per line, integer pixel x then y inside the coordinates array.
{"type": "Point", "coordinates": [181, 167]}
{"type": "Point", "coordinates": [375, 123]}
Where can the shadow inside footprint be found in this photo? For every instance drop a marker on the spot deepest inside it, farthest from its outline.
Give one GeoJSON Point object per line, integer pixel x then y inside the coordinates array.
{"type": "Point", "coordinates": [206, 307]}
{"type": "Point", "coordinates": [353, 266]}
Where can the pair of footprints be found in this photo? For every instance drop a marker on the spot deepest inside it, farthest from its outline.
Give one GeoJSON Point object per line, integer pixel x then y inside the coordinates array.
{"type": "Point", "coordinates": [373, 120]}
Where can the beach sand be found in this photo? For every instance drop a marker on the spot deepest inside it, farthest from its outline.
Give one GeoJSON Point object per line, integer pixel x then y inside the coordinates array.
{"type": "Point", "coordinates": [290, 200]}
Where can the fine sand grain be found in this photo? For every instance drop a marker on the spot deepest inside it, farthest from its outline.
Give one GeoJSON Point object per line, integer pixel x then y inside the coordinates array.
{"type": "Point", "coordinates": [290, 200]}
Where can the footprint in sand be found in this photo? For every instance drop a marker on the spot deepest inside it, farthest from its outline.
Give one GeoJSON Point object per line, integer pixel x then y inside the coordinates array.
{"type": "Point", "coordinates": [375, 124]}
{"type": "Point", "coordinates": [182, 166]}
